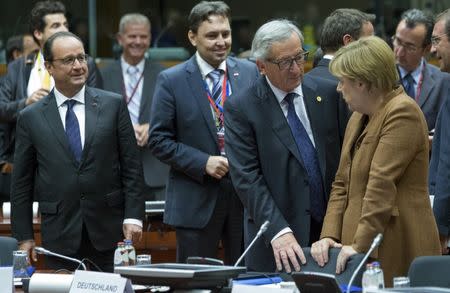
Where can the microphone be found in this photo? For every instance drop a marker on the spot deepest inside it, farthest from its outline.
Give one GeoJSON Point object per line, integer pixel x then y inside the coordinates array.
{"type": "Point", "coordinates": [376, 241]}
{"type": "Point", "coordinates": [260, 232]}
{"type": "Point", "coordinates": [41, 250]}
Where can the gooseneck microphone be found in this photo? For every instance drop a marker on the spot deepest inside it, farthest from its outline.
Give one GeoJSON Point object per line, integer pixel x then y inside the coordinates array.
{"type": "Point", "coordinates": [41, 250]}
{"type": "Point", "coordinates": [260, 232]}
{"type": "Point", "coordinates": [376, 241]}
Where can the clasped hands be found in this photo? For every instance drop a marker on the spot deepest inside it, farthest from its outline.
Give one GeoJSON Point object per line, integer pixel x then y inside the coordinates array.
{"type": "Point", "coordinates": [287, 251]}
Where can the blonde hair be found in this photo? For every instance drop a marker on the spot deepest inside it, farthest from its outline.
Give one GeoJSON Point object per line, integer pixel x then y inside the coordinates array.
{"type": "Point", "coordinates": [369, 60]}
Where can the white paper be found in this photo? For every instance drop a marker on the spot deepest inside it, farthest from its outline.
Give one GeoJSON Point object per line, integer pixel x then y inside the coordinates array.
{"type": "Point", "coordinates": [259, 289]}
{"type": "Point", "coordinates": [6, 277]}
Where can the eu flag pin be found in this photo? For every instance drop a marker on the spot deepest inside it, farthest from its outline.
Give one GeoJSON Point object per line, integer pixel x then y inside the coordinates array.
{"type": "Point", "coordinates": [236, 74]}
{"type": "Point", "coordinates": [319, 99]}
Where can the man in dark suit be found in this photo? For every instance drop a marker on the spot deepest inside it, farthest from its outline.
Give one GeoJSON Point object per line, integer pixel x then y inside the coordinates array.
{"type": "Point", "coordinates": [422, 81]}
{"type": "Point", "coordinates": [186, 132]}
{"type": "Point", "coordinates": [27, 80]}
{"type": "Point", "coordinates": [283, 143]}
{"type": "Point", "coordinates": [76, 149]}
{"type": "Point", "coordinates": [134, 77]}
{"type": "Point", "coordinates": [439, 185]}
{"type": "Point", "coordinates": [341, 27]}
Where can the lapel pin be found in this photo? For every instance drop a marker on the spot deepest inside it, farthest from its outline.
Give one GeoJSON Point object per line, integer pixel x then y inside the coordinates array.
{"type": "Point", "coordinates": [236, 74]}
{"type": "Point", "coordinates": [94, 104]}
{"type": "Point", "coordinates": [319, 99]}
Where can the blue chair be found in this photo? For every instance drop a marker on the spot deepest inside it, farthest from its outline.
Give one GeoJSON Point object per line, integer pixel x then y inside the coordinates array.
{"type": "Point", "coordinates": [7, 246]}
{"type": "Point", "coordinates": [430, 271]}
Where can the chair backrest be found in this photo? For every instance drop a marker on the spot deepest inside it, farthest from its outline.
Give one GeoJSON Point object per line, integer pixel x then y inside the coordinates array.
{"type": "Point", "coordinates": [330, 267]}
{"type": "Point", "coordinates": [430, 271]}
{"type": "Point", "coordinates": [7, 246]}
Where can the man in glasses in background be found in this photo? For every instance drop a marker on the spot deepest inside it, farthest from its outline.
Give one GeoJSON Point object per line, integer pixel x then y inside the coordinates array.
{"type": "Point", "coordinates": [77, 151]}
{"type": "Point", "coordinates": [283, 145]}
{"type": "Point", "coordinates": [440, 156]}
{"type": "Point", "coordinates": [422, 81]}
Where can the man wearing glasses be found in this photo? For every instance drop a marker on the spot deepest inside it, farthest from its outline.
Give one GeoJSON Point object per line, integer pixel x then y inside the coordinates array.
{"type": "Point", "coordinates": [283, 146]}
{"type": "Point", "coordinates": [440, 156]}
{"type": "Point", "coordinates": [77, 151]}
{"type": "Point", "coordinates": [422, 81]}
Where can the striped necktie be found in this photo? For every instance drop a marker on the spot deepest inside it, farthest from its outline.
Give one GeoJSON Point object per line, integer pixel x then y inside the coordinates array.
{"type": "Point", "coordinates": [133, 103]}
{"type": "Point", "coordinates": [216, 93]}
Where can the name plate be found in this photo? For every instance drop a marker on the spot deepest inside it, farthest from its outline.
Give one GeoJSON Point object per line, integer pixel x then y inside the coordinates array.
{"type": "Point", "coordinates": [97, 282]}
{"type": "Point", "coordinates": [6, 280]}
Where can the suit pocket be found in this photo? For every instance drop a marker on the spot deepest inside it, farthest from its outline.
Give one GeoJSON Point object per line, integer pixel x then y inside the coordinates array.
{"type": "Point", "coordinates": [114, 198]}
{"type": "Point", "coordinates": [48, 208]}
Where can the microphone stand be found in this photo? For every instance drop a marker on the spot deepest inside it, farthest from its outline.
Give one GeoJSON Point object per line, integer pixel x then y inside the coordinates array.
{"type": "Point", "coordinates": [376, 241]}
{"type": "Point", "coordinates": [260, 232]}
{"type": "Point", "coordinates": [41, 250]}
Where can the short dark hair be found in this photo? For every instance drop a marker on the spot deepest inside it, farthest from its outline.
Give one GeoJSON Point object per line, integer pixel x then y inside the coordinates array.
{"type": "Point", "coordinates": [14, 43]}
{"type": "Point", "coordinates": [203, 10]}
{"type": "Point", "coordinates": [414, 17]}
{"type": "Point", "coordinates": [47, 51]}
{"type": "Point", "coordinates": [445, 15]}
{"type": "Point", "coordinates": [40, 10]}
{"type": "Point", "coordinates": [339, 23]}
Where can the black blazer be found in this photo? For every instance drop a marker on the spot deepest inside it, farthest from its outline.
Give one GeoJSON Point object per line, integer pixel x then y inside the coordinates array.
{"type": "Point", "coordinates": [183, 135]}
{"type": "Point", "coordinates": [322, 71]}
{"type": "Point", "coordinates": [155, 172]}
{"type": "Point", "coordinates": [100, 192]}
{"type": "Point", "coordinates": [266, 167]}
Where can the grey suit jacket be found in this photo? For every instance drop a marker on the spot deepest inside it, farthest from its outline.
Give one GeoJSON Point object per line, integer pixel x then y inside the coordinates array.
{"type": "Point", "coordinates": [155, 172]}
{"type": "Point", "coordinates": [99, 192]}
{"type": "Point", "coordinates": [434, 92]}
{"type": "Point", "coordinates": [265, 164]}
{"type": "Point", "coordinates": [183, 134]}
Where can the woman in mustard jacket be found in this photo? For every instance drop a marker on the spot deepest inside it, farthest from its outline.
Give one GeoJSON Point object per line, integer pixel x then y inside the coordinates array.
{"type": "Point", "coordinates": [381, 182]}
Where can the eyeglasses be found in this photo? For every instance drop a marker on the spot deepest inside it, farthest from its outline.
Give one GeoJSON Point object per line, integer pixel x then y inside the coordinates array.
{"type": "Point", "coordinates": [285, 64]}
{"type": "Point", "coordinates": [435, 40]}
{"type": "Point", "coordinates": [70, 60]}
{"type": "Point", "coordinates": [408, 47]}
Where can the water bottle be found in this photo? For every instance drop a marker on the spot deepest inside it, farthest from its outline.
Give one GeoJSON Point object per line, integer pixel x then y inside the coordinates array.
{"type": "Point", "coordinates": [120, 255]}
{"type": "Point", "coordinates": [370, 279]}
{"type": "Point", "coordinates": [379, 272]}
{"type": "Point", "coordinates": [131, 252]}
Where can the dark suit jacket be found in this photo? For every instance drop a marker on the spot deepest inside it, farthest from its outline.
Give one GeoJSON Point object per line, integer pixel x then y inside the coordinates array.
{"type": "Point", "coordinates": [13, 93]}
{"type": "Point", "coordinates": [155, 172]}
{"type": "Point", "coordinates": [322, 71]}
{"type": "Point", "coordinates": [100, 192]}
{"type": "Point", "coordinates": [435, 87]}
{"type": "Point", "coordinates": [266, 167]}
{"type": "Point", "coordinates": [183, 134]}
{"type": "Point", "coordinates": [439, 185]}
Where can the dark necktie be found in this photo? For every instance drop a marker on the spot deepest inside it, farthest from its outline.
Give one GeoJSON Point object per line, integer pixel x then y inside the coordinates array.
{"type": "Point", "coordinates": [409, 85]}
{"type": "Point", "coordinates": [310, 160]}
{"type": "Point", "coordinates": [73, 130]}
{"type": "Point", "coordinates": [216, 91]}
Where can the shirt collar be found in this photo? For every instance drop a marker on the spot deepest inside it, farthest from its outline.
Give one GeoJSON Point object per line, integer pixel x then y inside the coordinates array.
{"type": "Point", "coordinates": [415, 73]}
{"type": "Point", "coordinates": [280, 94]}
{"type": "Point", "coordinates": [206, 68]}
{"type": "Point", "coordinates": [328, 56]}
{"type": "Point", "coordinates": [125, 65]}
{"type": "Point", "coordinates": [60, 98]}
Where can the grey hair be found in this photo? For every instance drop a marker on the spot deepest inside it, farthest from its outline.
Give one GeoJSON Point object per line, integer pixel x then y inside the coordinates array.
{"type": "Point", "coordinates": [132, 18]}
{"type": "Point", "coordinates": [414, 17]}
{"type": "Point", "coordinates": [274, 31]}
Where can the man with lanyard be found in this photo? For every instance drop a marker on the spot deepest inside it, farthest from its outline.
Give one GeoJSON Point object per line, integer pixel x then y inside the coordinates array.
{"type": "Point", "coordinates": [186, 132]}
{"type": "Point", "coordinates": [422, 81]}
{"type": "Point", "coordinates": [134, 77]}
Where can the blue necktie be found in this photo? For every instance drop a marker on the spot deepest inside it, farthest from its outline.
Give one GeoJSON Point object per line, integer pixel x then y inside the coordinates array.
{"type": "Point", "coordinates": [310, 160]}
{"type": "Point", "coordinates": [73, 130]}
{"type": "Point", "coordinates": [409, 85]}
{"type": "Point", "coordinates": [216, 91]}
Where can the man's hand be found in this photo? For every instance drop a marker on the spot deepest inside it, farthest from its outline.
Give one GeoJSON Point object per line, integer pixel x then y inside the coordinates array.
{"type": "Point", "coordinates": [28, 246]}
{"type": "Point", "coordinates": [286, 249]}
{"type": "Point", "coordinates": [444, 244]}
{"type": "Point", "coordinates": [133, 232]}
{"type": "Point", "coordinates": [217, 166]}
{"type": "Point", "coordinates": [319, 250]}
{"type": "Point", "coordinates": [141, 133]}
{"type": "Point", "coordinates": [343, 257]}
{"type": "Point", "coordinates": [36, 96]}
